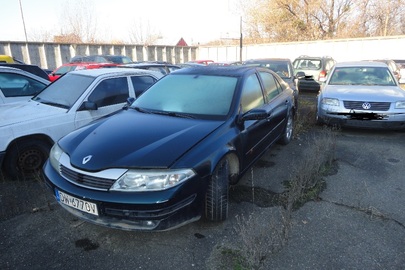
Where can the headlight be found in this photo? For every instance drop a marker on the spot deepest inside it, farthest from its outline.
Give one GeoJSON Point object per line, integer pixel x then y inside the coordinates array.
{"type": "Point", "coordinates": [330, 101]}
{"type": "Point", "coordinates": [400, 104]}
{"type": "Point", "coordinates": [141, 180]}
{"type": "Point", "coordinates": [54, 156]}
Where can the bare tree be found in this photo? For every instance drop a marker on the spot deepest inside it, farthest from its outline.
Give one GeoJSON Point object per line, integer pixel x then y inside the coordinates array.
{"type": "Point", "coordinates": [78, 20]}
{"type": "Point", "coordinates": [141, 32]}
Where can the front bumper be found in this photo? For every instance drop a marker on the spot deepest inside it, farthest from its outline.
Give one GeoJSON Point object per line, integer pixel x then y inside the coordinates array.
{"type": "Point", "coordinates": [145, 211]}
{"type": "Point", "coordinates": [362, 119]}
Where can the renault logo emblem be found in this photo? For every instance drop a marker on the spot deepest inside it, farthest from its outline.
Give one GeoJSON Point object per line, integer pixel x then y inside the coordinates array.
{"type": "Point", "coordinates": [366, 105]}
{"type": "Point", "coordinates": [87, 159]}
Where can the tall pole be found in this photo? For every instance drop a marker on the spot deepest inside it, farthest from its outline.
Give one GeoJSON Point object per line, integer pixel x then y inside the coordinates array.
{"type": "Point", "coordinates": [23, 21]}
{"type": "Point", "coordinates": [240, 41]}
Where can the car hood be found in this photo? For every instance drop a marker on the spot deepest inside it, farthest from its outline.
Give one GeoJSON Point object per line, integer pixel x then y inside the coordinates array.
{"type": "Point", "coordinates": [132, 139]}
{"type": "Point", "coordinates": [364, 93]}
{"type": "Point", "coordinates": [26, 111]}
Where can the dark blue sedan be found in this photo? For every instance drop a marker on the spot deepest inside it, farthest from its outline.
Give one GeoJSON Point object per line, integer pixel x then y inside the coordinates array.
{"type": "Point", "coordinates": [169, 158]}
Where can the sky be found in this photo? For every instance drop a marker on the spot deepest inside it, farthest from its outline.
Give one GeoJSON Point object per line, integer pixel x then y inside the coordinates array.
{"type": "Point", "coordinates": [197, 21]}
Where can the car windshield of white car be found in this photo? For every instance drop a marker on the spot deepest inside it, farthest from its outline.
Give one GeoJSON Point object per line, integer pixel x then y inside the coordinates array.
{"type": "Point", "coordinates": [362, 76]}
{"type": "Point", "coordinates": [65, 91]}
{"type": "Point", "coordinates": [192, 95]}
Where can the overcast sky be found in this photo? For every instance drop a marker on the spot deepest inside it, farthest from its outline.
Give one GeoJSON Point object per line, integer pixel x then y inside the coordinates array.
{"type": "Point", "coordinates": [197, 21]}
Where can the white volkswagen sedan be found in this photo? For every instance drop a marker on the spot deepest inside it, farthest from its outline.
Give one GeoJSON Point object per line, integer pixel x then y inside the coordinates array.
{"type": "Point", "coordinates": [362, 94]}
{"type": "Point", "coordinates": [28, 129]}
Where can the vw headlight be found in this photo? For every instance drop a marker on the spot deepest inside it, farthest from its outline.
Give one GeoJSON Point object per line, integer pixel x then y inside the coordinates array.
{"type": "Point", "coordinates": [54, 156]}
{"type": "Point", "coordinates": [141, 180]}
{"type": "Point", "coordinates": [400, 104]}
{"type": "Point", "coordinates": [330, 101]}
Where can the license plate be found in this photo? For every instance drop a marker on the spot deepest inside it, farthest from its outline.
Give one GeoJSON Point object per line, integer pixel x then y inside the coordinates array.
{"type": "Point", "coordinates": [77, 203]}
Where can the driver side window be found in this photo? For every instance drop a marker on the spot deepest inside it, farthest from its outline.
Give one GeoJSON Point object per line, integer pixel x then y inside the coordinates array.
{"type": "Point", "coordinates": [110, 91]}
{"type": "Point", "coordinates": [252, 96]}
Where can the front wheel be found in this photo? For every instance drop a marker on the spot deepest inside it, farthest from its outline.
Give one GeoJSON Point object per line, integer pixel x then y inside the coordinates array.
{"type": "Point", "coordinates": [288, 130]}
{"type": "Point", "coordinates": [26, 158]}
{"type": "Point", "coordinates": [216, 198]}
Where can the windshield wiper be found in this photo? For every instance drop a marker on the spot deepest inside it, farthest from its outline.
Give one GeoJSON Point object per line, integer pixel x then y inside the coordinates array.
{"type": "Point", "coordinates": [54, 104]}
{"type": "Point", "coordinates": [168, 113]}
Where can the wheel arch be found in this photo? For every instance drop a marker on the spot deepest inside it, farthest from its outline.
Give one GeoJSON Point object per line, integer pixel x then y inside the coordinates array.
{"type": "Point", "coordinates": [40, 137]}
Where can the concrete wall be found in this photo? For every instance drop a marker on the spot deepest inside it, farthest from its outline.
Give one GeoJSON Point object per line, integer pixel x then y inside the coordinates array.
{"type": "Point", "coordinates": [52, 55]}
{"type": "Point", "coordinates": [341, 50]}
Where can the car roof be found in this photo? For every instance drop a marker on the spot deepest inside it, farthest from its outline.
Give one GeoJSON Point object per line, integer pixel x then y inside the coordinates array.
{"type": "Point", "coordinates": [232, 70]}
{"type": "Point", "coordinates": [268, 59]}
{"type": "Point", "coordinates": [114, 70]}
{"type": "Point", "coordinates": [360, 64]}
{"type": "Point", "coordinates": [23, 72]}
{"type": "Point", "coordinates": [148, 65]}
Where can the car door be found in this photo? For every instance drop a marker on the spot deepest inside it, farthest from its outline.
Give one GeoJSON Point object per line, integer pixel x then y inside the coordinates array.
{"type": "Point", "coordinates": [254, 133]}
{"type": "Point", "coordinates": [109, 96]}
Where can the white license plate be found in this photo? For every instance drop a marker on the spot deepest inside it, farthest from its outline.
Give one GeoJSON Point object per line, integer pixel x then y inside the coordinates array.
{"type": "Point", "coordinates": [77, 203]}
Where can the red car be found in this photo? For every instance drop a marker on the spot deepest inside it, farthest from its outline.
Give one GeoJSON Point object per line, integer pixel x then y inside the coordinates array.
{"type": "Point", "coordinates": [54, 75]}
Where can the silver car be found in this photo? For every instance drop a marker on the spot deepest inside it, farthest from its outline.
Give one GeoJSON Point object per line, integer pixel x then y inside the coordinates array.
{"type": "Point", "coordinates": [362, 94]}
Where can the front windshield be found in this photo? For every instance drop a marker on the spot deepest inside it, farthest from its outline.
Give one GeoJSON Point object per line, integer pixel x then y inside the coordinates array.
{"type": "Point", "coordinates": [65, 91]}
{"type": "Point", "coordinates": [189, 94]}
{"type": "Point", "coordinates": [362, 76]}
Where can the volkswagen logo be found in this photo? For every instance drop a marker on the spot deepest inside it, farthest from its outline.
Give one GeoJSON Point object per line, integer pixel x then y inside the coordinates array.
{"type": "Point", "coordinates": [86, 159]}
{"type": "Point", "coordinates": [366, 105]}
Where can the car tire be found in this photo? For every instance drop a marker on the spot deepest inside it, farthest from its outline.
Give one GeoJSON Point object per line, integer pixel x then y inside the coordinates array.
{"type": "Point", "coordinates": [216, 198]}
{"type": "Point", "coordinates": [26, 158]}
{"type": "Point", "coordinates": [288, 130]}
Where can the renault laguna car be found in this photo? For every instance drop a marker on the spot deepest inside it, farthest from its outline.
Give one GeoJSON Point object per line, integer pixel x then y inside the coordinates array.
{"type": "Point", "coordinates": [169, 157]}
{"type": "Point", "coordinates": [362, 94]}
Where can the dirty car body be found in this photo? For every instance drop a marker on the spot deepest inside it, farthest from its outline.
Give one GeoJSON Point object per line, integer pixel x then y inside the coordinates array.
{"type": "Point", "coordinates": [169, 158]}
{"type": "Point", "coordinates": [362, 94]}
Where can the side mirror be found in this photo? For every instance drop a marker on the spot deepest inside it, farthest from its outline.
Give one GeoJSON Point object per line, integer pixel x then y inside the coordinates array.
{"type": "Point", "coordinates": [130, 100]}
{"type": "Point", "coordinates": [88, 106]}
{"type": "Point", "coordinates": [256, 114]}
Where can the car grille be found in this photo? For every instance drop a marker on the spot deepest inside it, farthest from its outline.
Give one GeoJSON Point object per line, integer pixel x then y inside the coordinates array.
{"type": "Point", "coordinates": [86, 180]}
{"type": "Point", "coordinates": [375, 106]}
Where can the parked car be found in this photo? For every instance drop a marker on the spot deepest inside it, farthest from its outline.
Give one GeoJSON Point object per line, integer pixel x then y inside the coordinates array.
{"type": "Point", "coordinates": [10, 60]}
{"type": "Point", "coordinates": [312, 71]}
{"type": "Point", "coordinates": [362, 94]}
{"type": "Point", "coordinates": [29, 129]}
{"type": "Point", "coordinates": [163, 68]}
{"type": "Point", "coordinates": [17, 85]}
{"type": "Point", "coordinates": [118, 59]}
{"type": "Point", "coordinates": [63, 69]}
{"type": "Point", "coordinates": [401, 66]}
{"type": "Point", "coordinates": [203, 62]}
{"type": "Point", "coordinates": [393, 66]}
{"type": "Point", "coordinates": [34, 69]}
{"type": "Point", "coordinates": [225, 63]}
{"type": "Point", "coordinates": [169, 159]}
{"type": "Point", "coordinates": [282, 66]}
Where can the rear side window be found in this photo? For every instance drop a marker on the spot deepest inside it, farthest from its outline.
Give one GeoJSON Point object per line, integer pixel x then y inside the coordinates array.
{"type": "Point", "coordinates": [141, 83]}
{"type": "Point", "coordinates": [271, 86]}
{"type": "Point", "coordinates": [110, 91]}
{"type": "Point", "coordinates": [17, 85]}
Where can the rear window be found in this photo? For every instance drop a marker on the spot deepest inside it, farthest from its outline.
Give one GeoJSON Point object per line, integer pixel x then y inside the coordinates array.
{"type": "Point", "coordinates": [309, 64]}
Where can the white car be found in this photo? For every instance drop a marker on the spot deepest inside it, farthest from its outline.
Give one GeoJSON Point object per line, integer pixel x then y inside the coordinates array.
{"type": "Point", "coordinates": [28, 129]}
{"type": "Point", "coordinates": [19, 85]}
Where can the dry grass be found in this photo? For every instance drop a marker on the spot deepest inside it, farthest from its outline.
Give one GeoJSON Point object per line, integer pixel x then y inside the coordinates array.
{"type": "Point", "coordinates": [258, 238]}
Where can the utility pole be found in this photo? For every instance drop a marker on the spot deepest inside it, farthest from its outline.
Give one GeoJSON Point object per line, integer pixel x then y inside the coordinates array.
{"type": "Point", "coordinates": [241, 41]}
{"type": "Point", "coordinates": [23, 21]}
